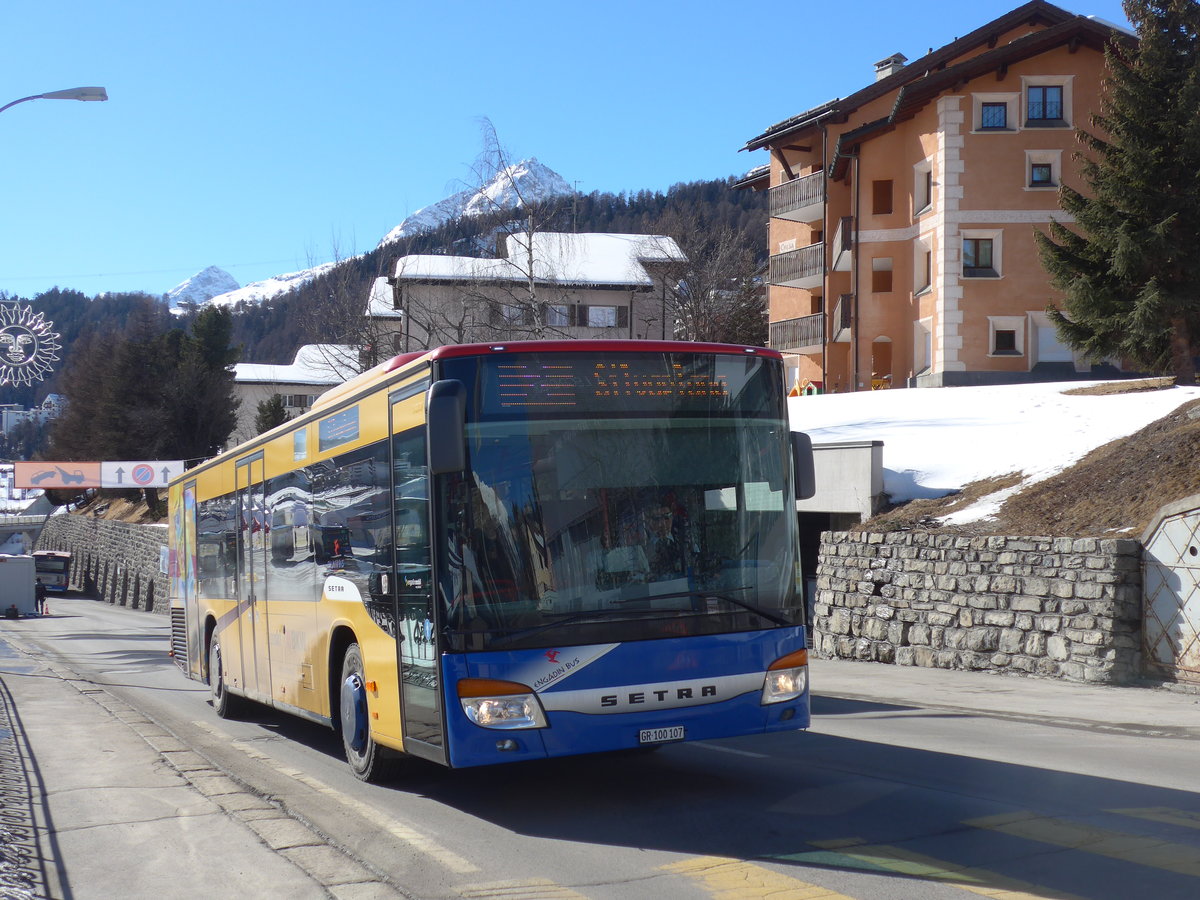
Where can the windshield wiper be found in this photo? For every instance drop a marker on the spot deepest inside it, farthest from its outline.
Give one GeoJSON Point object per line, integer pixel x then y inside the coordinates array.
{"type": "Point", "coordinates": [719, 595]}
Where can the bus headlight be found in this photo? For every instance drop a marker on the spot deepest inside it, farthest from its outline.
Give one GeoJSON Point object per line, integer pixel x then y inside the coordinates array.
{"type": "Point", "coordinates": [787, 678]}
{"type": "Point", "coordinates": [500, 704]}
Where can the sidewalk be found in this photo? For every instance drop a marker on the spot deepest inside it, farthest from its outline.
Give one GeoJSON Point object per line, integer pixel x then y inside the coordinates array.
{"type": "Point", "coordinates": [98, 801]}
{"type": "Point", "coordinates": [1147, 711]}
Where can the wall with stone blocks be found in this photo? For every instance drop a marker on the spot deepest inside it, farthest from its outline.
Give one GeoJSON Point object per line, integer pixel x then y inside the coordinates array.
{"type": "Point", "coordinates": [1065, 608]}
{"type": "Point", "coordinates": [112, 561]}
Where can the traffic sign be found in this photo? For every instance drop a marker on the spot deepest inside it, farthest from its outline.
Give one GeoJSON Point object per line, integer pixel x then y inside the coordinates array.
{"type": "Point", "coordinates": [143, 473]}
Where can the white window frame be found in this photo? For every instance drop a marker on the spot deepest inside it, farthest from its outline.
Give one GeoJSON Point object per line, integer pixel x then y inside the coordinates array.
{"type": "Point", "coordinates": [922, 183]}
{"type": "Point", "coordinates": [1064, 81]}
{"type": "Point", "coordinates": [996, 236]}
{"type": "Point", "coordinates": [1053, 158]}
{"type": "Point", "coordinates": [1015, 324]}
{"type": "Point", "coordinates": [923, 246]}
{"type": "Point", "coordinates": [1010, 100]}
{"type": "Point", "coordinates": [922, 345]}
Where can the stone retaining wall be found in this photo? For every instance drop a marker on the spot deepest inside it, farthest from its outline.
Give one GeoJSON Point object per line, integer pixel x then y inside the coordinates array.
{"type": "Point", "coordinates": [1056, 607]}
{"type": "Point", "coordinates": [113, 561]}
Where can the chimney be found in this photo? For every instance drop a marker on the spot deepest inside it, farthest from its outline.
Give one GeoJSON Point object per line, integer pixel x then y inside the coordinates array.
{"type": "Point", "coordinates": [886, 67]}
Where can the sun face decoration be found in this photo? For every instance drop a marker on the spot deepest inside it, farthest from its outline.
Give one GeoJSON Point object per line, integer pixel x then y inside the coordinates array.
{"type": "Point", "coordinates": [27, 345]}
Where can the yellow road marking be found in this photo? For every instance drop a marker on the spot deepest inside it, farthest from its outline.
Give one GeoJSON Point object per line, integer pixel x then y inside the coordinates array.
{"type": "Point", "coordinates": [732, 879]}
{"type": "Point", "coordinates": [1180, 817]}
{"type": "Point", "coordinates": [882, 857]}
{"type": "Point", "coordinates": [1144, 851]}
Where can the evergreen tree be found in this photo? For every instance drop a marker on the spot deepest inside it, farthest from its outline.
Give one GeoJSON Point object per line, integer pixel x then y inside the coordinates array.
{"type": "Point", "coordinates": [1130, 273]}
{"type": "Point", "coordinates": [271, 413]}
{"type": "Point", "coordinates": [197, 404]}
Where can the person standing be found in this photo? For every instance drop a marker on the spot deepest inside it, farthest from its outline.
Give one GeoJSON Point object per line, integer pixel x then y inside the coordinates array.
{"type": "Point", "coordinates": [39, 596]}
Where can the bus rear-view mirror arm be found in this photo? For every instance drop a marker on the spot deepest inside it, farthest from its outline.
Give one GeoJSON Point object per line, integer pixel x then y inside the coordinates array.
{"type": "Point", "coordinates": [446, 416]}
{"type": "Point", "coordinates": [802, 463]}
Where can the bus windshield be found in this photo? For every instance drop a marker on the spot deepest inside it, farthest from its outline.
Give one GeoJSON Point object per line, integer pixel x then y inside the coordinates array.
{"type": "Point", "coordinates": [652, 503]}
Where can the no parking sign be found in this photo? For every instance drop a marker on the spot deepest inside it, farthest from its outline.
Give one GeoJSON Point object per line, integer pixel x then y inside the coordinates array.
{"type": "Point", "coordinates": [145, 473]}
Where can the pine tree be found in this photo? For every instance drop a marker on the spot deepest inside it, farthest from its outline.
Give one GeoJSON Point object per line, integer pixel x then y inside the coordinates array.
{"type": "Point", "coordinates": [1129, 270]}
{"type": "Point", "coordinates": [270, 413]}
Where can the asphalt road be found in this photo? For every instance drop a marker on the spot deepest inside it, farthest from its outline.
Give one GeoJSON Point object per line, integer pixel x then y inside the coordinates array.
{"type": "Point", "coordinates": [879, 800]}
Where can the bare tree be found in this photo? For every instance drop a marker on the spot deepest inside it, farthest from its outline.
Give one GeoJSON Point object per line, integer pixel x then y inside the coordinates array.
{"type": "Point", "coordinates": [334, 312]}
{"type": "Point", "coordinates": [715, 293]}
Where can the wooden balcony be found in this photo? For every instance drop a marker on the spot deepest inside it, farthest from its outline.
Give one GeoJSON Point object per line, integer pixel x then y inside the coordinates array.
{"type": "Point", "coordinates": [843, 244]}
{"type": "Point", "coordinates": [799, 200]}
{"type": "Point", "coordinates": [802, 268]}
{"type": "Point", "coordinates": [843, 318]}
{"type": "Point", "coordinates": [803, 335]}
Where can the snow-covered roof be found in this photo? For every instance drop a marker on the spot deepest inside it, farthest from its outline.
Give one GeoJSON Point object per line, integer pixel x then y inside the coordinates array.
{"type": "Point", "coordinates": [315, 364]}
{"type": "Point", "coordinates": [582, 259]}
{"type": "Point", "coordinates": [380, 304]}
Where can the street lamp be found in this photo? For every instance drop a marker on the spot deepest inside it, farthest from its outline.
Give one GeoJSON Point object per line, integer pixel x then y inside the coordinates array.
{"type": "Point", "coordinates": [79, 93]}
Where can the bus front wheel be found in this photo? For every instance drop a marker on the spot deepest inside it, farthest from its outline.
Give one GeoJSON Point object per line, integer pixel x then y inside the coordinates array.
{"type": "Point", "coordinates": [368, 760]}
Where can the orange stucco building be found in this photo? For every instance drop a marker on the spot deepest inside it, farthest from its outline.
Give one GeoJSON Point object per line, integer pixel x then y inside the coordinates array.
{"type": "Point", "coordinates": [902, 216]}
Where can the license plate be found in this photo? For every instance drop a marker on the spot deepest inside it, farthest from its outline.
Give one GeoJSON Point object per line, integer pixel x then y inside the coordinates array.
{"type": "Point", "coordinates": [661, 735]}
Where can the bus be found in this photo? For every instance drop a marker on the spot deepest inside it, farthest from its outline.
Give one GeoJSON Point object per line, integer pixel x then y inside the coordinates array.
{"type": "Point", "coordinates": [53, 569]}
{"type": "Point", "coordinates": [452, 556]}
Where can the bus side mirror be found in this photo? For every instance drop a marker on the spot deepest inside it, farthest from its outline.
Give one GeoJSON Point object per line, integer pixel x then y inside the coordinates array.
{"type": "Point", "coordinates": [802, 464]}
{"type": "Point", "coordinates": [446, 429]}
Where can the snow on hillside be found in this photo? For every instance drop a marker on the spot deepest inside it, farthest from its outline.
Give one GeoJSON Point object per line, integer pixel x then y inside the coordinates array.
{"type": "Point", "coordinates": [937, 440]}
{"type": "Point", "coordinates": [527, 181]}
{"type": "Point", "coordinates": [202, 287]}
{"type": "Point", "coordinates": [270, 288]}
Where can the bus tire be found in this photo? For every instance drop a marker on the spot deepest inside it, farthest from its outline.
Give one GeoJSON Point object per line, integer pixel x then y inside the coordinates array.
{"type": "Point", "coordinates": [224, 704]}
{"type": "Point", "coordinates": [368, 761]}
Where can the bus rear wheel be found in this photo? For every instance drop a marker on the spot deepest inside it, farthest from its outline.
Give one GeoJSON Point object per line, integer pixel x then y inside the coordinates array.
{"type": "Point", "coordinates": [224, 704]}
{"type": "Point", "coordinates": [368, 760]}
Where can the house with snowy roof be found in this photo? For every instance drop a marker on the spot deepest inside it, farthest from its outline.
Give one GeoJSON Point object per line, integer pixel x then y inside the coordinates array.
{"type": "Point", "coordinates": [542, 285]}
{"type": "Point", "coordinates": [315, 369]}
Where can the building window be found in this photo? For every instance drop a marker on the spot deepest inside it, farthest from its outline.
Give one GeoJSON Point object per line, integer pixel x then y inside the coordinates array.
{"type": "Point", "coordinates": [993, 112]}
{"type": "Point", "coordinates": [881, 275]}
{"type": "Point", "coordinates": [1043, 169]}
{"type": "Point", "coordinates": [1044, 104]}
{"type": "Point", "coordinates": [922, 268]}
{"type": "Point", "coordinates": [993, 116]}
{"type": "Point", "coordinates": [881, 197]}
{"type": "Point", "coordinates": [1006, 335]}
{"type": "Point", "coordinates": [978, 261]}
{"type": "Point", "coordinates": [922, 187]}
{"type": "Point", "coordinates": [558, 315]}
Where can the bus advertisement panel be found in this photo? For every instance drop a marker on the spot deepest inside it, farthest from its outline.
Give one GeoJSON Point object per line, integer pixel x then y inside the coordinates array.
{"type": "Point", "coordinates": [516, 552]}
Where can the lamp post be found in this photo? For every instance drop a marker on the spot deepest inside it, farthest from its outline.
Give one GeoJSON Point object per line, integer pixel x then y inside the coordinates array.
{"type": "Point", "coordinates": [79, 93]}
{"type": "Point", "coordinates": [27, 345]}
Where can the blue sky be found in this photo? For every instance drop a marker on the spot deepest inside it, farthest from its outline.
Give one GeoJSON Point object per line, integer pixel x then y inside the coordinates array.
{"type": "Point", "coordinates": [265, 137]}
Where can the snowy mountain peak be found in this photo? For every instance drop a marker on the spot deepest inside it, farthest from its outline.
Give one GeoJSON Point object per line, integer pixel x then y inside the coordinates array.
{"type": "Point", "coordinates": [202, 287]}
{"type": "Point", "coordinates": [512, 187]}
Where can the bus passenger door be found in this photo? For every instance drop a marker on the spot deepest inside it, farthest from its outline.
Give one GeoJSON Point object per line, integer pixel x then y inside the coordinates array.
{"type": "Point", "coordinates": [253, 541]}
{"type": "Point", "coordinates": [420, 689]}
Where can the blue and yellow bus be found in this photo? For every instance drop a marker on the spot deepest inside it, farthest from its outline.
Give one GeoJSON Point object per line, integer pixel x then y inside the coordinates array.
{"type": "Point", "coordinates": [487, 553]}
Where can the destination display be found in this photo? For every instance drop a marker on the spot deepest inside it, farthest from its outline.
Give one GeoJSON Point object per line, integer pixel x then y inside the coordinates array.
{"type": "Point", "coordinates": [549, 384]}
